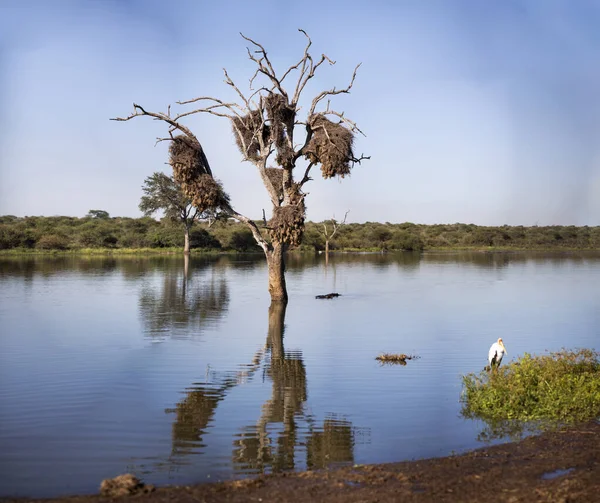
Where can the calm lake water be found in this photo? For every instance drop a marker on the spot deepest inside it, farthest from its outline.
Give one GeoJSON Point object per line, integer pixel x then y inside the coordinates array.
{"type": "Point", "coordinates": [183, 374]}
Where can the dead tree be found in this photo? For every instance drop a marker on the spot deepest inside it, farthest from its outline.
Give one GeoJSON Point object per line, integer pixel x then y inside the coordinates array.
{"type": "Point", "coordinates": [264, 124]}
{"type": "Point", "coordinates": [328, 233]}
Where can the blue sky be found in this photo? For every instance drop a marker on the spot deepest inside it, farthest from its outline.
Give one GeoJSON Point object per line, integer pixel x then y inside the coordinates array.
{"type": "Point", "coordinates": [475, 111]}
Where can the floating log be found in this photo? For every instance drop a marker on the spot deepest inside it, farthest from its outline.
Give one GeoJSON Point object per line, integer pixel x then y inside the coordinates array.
{"type": "Point", "coordinates": [399, 358]}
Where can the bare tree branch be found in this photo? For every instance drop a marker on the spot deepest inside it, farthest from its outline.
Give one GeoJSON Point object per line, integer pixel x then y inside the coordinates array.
{"type": "Point", "coordinates": [228, 81]}
{"type": "Point", "coordinates": [232, 107]}
{"type": "Point", "coordinates": [209, 110]}
{"type": "Point", "coordinates": [336, 225]}
{"type": "Point", "coordinates": [302, 60]}
{"type": "Point", "coordinates": [139, 111]}
{"type": "Point", "coordinates": [158, 140]}
{"type": "Point", "coordinates": [362, 157]}
{"type": "Point", "coordinates": [267, 70]}
{"type": "Point", "coordinates": [311, 73]}
{"type": "Point", "coordinates": [252, 226]}
{"type": "Point", "coordinates": [333, 92]}
{"type": "Point", "coordinates": [306, 178]}
{"type": "Point", "coordinates": [344, 119]}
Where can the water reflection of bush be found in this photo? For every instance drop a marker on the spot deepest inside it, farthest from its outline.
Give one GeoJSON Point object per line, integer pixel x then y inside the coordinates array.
{"type": "Point", "coordinates": [500, 260]}
{"type": "Point", "coordinates": [513, 430]}
{"type": "Point", "coordinates": [283, 431]}
{"type": "Point", "coordinates": [135, 267]}
{"type": "Point", "coordinates": [296, 263]}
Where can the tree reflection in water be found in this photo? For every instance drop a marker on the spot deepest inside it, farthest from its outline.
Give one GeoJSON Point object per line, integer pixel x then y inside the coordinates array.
{"type": "Point", "coordinates": [284, 432]}
{"type": "Point", "coordinates": [184, 299]}
{"type": "Point", "coordinates": [195, 411]}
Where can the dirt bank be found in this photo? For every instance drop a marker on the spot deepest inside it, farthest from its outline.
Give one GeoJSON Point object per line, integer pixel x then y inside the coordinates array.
{"type": "Point", "coordinates": [554, 467]}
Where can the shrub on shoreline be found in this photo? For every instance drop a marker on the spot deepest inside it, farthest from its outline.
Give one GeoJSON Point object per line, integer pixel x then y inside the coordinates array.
{"type": "Point", "coordinates": [561, 387]}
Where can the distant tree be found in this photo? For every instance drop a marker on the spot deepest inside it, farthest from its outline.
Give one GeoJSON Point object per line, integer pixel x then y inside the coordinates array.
{"type": "Point", "coordinates": [272, 136]}
{"type": "Point", "coordinates": [98, 214]}
{"type": "Point", "coordinates": [329, 232]}
{"type": "Point", "coordinates": [162, 192]}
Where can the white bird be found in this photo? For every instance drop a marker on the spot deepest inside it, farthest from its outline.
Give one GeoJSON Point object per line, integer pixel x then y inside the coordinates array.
{"type": "Point", "coordinates": [496, 353]}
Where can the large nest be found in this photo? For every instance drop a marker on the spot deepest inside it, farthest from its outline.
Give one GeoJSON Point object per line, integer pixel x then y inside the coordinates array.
{"type": "Point", "coordinates": [287, 224]}
{"type": "Point", "coordinates": [190, 170]}
{"type": "Point", "coordinates": [206, 193]}
{"type": "Point", "coordinates": [281, 116]}
{"type": "Point", "coordinates": [275, 176]}
{"type": "Point", "coordinates": [187, 159]}
{"type": "Point", "coordinates": [248, 131]}
{"type": "Point", "coordinates": [278, 109]}
{"type": "Point", "coordinates": [330, 145]}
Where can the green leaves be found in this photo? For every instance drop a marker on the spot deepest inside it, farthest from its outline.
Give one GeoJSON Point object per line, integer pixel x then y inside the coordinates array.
{"type": "Point", "coordinates": [161, 192]}
{"type": "Point", "coordinates": [562, 386]}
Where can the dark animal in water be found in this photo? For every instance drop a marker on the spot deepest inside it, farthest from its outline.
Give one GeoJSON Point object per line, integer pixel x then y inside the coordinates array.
{"type": "Point", "coordinates": [327, 296]}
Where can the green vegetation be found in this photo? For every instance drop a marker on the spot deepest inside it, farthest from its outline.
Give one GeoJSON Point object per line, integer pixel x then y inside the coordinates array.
{"type": "Point", "coordinates": [558, 387]}
{"type": "Point", "coordinates": [163, 193]}
{"type": "Point", "coordinates": [98, 231]}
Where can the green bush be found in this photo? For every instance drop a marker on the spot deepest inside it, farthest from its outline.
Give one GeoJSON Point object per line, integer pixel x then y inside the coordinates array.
{"type": "Point", "coordinates": [243, 240]}
{"type": "Point", "coordinates": [9, 237]}
{"type": "Point", "coordinates": [407, 241]}
{"type": "Point", "coordinates": [200, 238]}
{"type": "Point", "coordinates": [562, 386]}
{"type": "Point", "coordinates": [102, 231]}
{"type": "Point", "coordinates": [52, 242]}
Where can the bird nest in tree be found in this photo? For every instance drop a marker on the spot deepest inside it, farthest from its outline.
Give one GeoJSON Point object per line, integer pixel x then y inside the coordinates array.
{"type": "Point", "coordinates": [275, 176]}
{"type": "Point", "coordinates": [248, 131]}
{"type": "Point", "coordinates": [187, 159]}
{"type": "Point", "coordinates": [287, 224]}
{"type": "Point", "coordinates": [281, 116]}
{"type": "Point", "coordinates": [190, 170]}
{"type": "Point", "coordinates": [330, 145]}
{"type": "Point", "coordinates": [206, 193]}
{"type": "Point", "coordinates": [278, 110]}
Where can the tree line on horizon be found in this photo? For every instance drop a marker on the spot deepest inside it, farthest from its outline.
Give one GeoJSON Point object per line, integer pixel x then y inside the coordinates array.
{"type": "Point", "coordinates": [99, 230]}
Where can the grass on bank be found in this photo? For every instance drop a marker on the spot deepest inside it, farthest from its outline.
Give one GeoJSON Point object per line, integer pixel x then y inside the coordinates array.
{"type": "Point", "coordinates": [561, 387]}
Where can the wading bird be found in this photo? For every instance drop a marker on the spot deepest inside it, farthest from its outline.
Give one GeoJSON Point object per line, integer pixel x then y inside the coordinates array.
{"type": "Point", "coordinates": [496, 353]}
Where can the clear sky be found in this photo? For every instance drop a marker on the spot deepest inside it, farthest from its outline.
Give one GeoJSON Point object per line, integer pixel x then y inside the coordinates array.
{"type": "Point", "coordinates": [483, 112]}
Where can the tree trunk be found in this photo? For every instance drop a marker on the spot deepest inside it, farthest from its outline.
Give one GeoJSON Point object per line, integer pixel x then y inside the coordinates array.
{"type": "Point", "coordinates": [186, 246]}
{"type": "Point", "coordinates": [276, 267]}
{"type": "Point", "coordinates": [275, 334]}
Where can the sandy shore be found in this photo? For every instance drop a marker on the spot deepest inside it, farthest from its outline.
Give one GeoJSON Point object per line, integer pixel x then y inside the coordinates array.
{"type": "Point", "coordinates": [561, 466]}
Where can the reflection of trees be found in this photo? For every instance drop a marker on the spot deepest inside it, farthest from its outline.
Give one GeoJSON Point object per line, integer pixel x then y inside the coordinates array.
{"type": "Point", "coordinates": [255, 449]}
{"type": "Point", "coordinates": [499, 429]}
{"type": "Point", "coordinates": [296, 264]}
{"type": "Point", "coordinates": [283, 431]}
{"type": "Point", "coordinates": [195, 411]}
{"type": "Point", "coordinates": [500, 260]}
{"type": "Point", "coordinates": [184, 299]}
{"type": "Point", "coordinates": [412, 260]}
{"type": "Point", "coordinates": [333, 444]}
{"type": "Point", "coordinates": [283, 428]}
{"type": "Point", "coordinates": [48, 266]}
